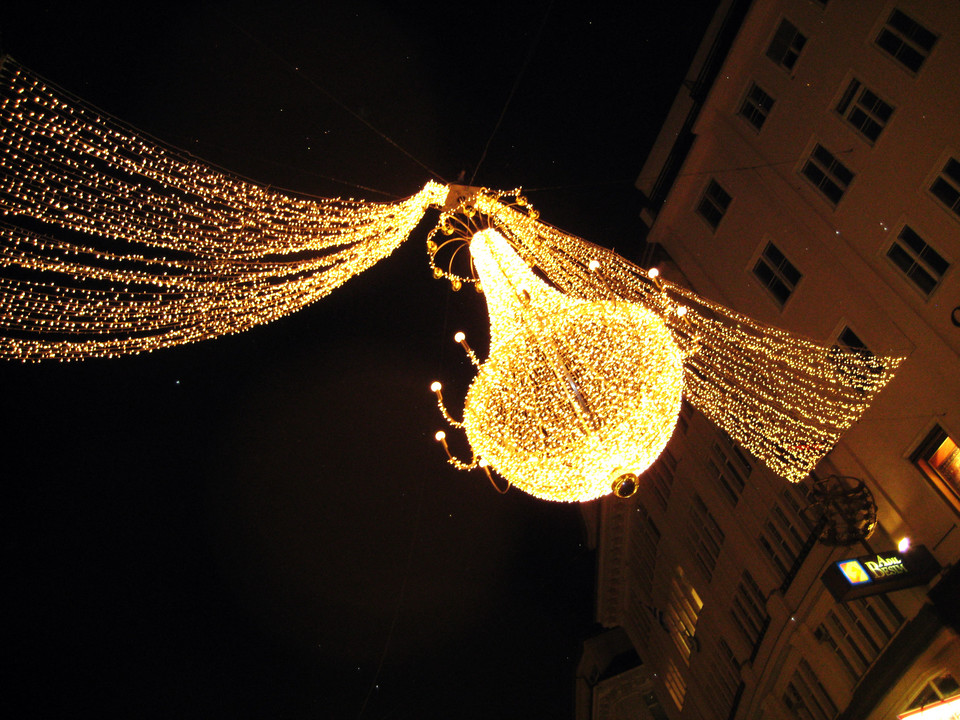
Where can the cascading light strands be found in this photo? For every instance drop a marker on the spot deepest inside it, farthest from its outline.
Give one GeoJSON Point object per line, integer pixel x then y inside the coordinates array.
{"type": "Point", "coordinates": [114, 244]}
{"type": "Point", "coordinates": [162, 249]}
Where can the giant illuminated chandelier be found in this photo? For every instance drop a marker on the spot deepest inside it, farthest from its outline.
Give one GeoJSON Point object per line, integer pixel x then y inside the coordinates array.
{"type": "Point", "coordinates": [589, 355]}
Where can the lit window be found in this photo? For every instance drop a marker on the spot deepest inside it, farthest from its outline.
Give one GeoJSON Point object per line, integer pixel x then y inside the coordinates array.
{"type": "Point", "coordinates": [830, 176]}
{"type": "Point", "coordinates": [939, 459]}
{"type": "Point", "coordinates": [906, 40]}
{"type": "Point", "coordinates": [861, 107]}
{"type": "Point", "coordinates": [786, 45]}
{"type": "Point", "coordinates": [675, 683]}
{"type": "Point", "coordinates": [777, 274]}
{"type": "Point", "coordinates": [940, 688]}
{"type": "Point", "coordinates": [946, 187]}
{"type": "Point", "coordinates": [713, 203]}
{"type": "Point", "coordinates": [756, 106]}
{"type": "Point", "coordinates": [682, 614]}
{"type": "Point", "coordinates": [923, 265]}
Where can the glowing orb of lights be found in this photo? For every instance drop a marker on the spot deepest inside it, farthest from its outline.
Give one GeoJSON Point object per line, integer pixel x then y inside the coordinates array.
{"type": "Point", "coordinates": [575, 394]}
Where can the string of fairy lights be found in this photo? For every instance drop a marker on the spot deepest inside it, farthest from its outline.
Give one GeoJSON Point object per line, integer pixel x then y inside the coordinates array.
{"type": "Point", "coordinates": [165, 249]}
{"type": "Point", "coordinates": [112, 243]}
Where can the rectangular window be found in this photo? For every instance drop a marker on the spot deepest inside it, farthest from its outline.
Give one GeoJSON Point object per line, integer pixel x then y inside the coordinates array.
{"type": "Point", "coordinates": [939, 458]}
{"type": "Point", "coordinates": [704, 536]}
{"type": "Point", "coordinates": [905, 40]}
{"type": "Point", "coordinates": [849, 353]}
{"type": "Point", "coordinates": [749, 609]}
{"type": "Point", "coordinates": [830, 176]}
{"type": "Point", "coordinates": [786, 45]}
{"type": "Point", "coordinates": [806, 697]}
{"type": "Point", "coordinates": [675, 683]}
{"type": "Point", "coordinates": [756, 106]}
{"type": "Point", "coordinates": [861, 107]}
{"type": "Point", "coordinates": [777, 274]}
{"type": "Point", "coordinates": [713, 204]}
{"type": "Point", "coordinates": [946, 188]}
{"type": "Point", "coordinates": [858, 631]}
{"type": "Point", "coordinates": [922, 265]}
{"type": "Point", "coordinates": [730, 468]}
{"type": "Point", "coordinates": [682, 614]}
{"type": "Point", "coordinates": [724, 678]}
{"type": "Point", "coordinates": [660, 475]}
{"type": "Point", "coordinates": [784, 533]}
{"type": "Point", "coordinates": [644, 539]}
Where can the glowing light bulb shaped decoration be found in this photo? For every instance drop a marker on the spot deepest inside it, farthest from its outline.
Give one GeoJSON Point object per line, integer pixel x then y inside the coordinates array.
{"type": "Point", "coordinates": [575, 394]}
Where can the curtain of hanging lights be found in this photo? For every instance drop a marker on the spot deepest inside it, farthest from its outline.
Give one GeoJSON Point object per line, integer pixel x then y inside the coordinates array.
{"type": "Point", "coordinates": [113, 244]}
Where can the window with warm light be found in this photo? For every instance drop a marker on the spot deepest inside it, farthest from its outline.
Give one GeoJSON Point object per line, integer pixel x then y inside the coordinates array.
{"type": "Point", "coordinates": [864, 110]}
{"type": "Point", "coordinates": [935, 694]}
{"type": "Point", "coordinates": [905, 40]}
{"type": "Point", "coordinates": [682, 614]}
{"type": "Point", "coordinates": [938, 457]}
{"type": "Point", "coordinates": [786, 46]}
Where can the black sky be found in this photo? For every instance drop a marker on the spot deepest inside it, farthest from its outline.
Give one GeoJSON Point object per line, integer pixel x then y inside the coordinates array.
{"type": "Point", "coordinates": [262, 525]}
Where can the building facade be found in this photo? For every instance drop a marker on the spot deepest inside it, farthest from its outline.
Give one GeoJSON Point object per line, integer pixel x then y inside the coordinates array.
{"type": "Point", "coordinates": [808, 175]}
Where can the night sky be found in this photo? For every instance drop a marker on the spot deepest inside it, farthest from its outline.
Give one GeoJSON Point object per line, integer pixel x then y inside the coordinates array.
{"type": "Point", "coordinates": [262, 525]}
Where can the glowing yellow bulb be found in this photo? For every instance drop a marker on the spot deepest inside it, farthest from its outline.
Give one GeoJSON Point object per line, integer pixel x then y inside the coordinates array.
{"type": "Point", "coordinates": [459, 337]}
{"type": "Point", "coordinates": [653, 273]}
{"type": "Point", "coordinates": [903, 545]}
{"type": "Point", "coordinates": [436, 386]}
{"type": "Point", "coordinates": [575, 394]}
{"type": "Point", "coordinates": [440, 436]}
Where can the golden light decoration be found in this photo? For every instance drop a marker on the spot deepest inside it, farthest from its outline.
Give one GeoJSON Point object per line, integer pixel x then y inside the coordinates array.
{"type": "Point", "coordinates": [589, 356]}
{"type": "Point", "coordinates": [576, 394]}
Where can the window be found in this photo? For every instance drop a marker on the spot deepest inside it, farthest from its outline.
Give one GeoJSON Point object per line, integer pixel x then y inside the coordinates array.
{"type": "Point", "coordinates": [723, 679]}
{"type": "Point", "coordinates": [704, 536]}
{"type": "Point", "coordinates": [906, 40]}
{"type": "Point", "coordinates": [729, 467]}
{"type": "Point", "coordinates": [749, 609]}
{"type": "Point", "coordinates": [946, 188]}
{"type": "Point", "coordinates": [682, 614]}
{"type": "Point", "coordinates": [861, 107]}
{"type": "Point", "coordinates": [940, 688]}
{"type": "Point", "coordinates": [675, 683]}
{"type": "Point", "coordinates": [660, 475]}
{"type": "Point", "coordinates": [858, 631]}
{"type": "Point", "coordinates": [830, 176]}
{"type": "Point", "coordinates": [777, 274]}
{"type": "Point", "coordinates": [713, 204]}
{"type": "Point", "coordinates": [756, 106]}
{"type": "Point", "coordinates": [849, 353]}
{"type": "Point", "coordinates": [784, 533]}
{"type": "Point", "coordinates": [786, 45]}
{"type": "Point", "coordinates": [644, 538]}
{"type": "Point", "coordinates": [806, 697]}
{"type": "Point", "coordinates": [922, 265]}
{"type": "Point", "coordinates": [939, 458]}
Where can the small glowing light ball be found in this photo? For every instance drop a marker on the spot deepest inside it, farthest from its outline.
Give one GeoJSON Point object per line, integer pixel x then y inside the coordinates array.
{"type": "Point", "coordinates": [575, 394]}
